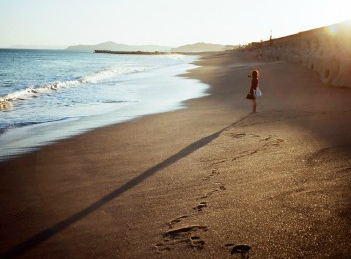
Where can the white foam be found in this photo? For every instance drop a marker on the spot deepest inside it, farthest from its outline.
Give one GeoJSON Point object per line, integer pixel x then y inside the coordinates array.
{"type": "Point", "coordinates": [109, 73]}
{"type": "Point", "coordinates": [98, 76]}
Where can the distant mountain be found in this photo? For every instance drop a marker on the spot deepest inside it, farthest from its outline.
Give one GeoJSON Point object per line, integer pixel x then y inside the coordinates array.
{"type": "Point", "coordinates": [112, 46]}
{"type": "Point", "coordinates": [199, 47]}
{"type": "Point", "coordinates": [118, 47]}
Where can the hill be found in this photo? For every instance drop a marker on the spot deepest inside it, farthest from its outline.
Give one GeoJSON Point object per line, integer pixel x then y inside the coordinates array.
{"type": "Point", "coordinates": [117, 47]}
{"type": "Point", "coordinates": [199, 47]}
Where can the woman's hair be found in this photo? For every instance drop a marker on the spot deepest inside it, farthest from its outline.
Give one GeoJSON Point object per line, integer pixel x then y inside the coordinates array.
{"type": "Point", "coordinates": [254, 74]}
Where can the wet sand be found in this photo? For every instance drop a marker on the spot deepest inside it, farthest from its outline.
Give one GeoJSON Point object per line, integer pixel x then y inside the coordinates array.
{"type": "Point", "coordinates": [195, 183]}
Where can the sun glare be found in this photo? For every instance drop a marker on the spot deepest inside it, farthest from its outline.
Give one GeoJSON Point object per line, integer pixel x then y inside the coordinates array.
{"type": "Point", "coordinates": [332, 29]}
{"type": "Point", "coordinates": [335, 28]}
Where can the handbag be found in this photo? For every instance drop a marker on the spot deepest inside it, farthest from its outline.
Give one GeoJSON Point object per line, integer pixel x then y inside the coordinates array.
{"type": "Point", "coordinates": [257, 92]}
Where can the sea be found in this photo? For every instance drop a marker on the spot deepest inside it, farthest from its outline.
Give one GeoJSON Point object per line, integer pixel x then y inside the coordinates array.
{"type": "Point", "coordinates": [49, 95]}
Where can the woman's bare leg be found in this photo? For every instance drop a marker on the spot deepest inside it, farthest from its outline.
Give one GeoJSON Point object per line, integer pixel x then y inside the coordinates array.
{"type": "Point", "coordinates": [254, 105]}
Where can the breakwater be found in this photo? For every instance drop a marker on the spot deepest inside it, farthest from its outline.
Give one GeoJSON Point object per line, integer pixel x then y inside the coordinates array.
{"type": "Point", "coordinates": [325, 50]}
{"type": "Point", "coordinates": [148, 52]}
{"type": "Point", "coordinates": [133, 52]}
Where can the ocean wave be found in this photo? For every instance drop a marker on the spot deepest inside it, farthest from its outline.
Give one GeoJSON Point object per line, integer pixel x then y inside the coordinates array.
{"type": "Point", "coordinates": [16, 125]}
{"type": "Point", "coordinates": [6, 101]}
{"type": "Point", "coordinates": [118, 101]}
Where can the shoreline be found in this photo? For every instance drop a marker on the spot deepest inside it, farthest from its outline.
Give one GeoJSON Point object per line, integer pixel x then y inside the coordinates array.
{"type": "Point", "coordinates": [210, 176]}
{"type": "Point", "coordinates": [146, 95]}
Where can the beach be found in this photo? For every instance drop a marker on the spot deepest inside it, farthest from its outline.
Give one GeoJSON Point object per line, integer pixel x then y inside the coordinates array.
{"type": "Point", "coordinates": [47, 95]}
{"type": "Point", "coordinates": [208, 181]}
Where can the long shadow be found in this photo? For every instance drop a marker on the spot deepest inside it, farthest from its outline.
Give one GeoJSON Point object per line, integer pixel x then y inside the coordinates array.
{"type": "Point", "coordinates": [48, 233]}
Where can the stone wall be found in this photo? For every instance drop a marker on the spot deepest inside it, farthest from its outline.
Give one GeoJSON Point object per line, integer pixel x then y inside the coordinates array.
{"type": "Point", "coordinates": [326, 50]}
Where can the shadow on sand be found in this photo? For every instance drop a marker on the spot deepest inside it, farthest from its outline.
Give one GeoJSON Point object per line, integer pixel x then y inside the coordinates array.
{"type": "Point", "coordinates": [60, 226]}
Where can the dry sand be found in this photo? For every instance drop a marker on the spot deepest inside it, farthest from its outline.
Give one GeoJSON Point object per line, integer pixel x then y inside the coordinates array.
{"type": "Point", "coordinates": [198, 182]}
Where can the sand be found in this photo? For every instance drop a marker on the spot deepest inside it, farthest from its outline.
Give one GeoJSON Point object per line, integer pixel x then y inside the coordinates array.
{"type": "Point", "coordinates": [209, 181]}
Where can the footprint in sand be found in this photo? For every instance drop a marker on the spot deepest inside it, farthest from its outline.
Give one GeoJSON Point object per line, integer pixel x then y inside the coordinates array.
{"type": "Point", "coordinates": [244, 154]}
{"type": "Point", "coordinates": [220, 188]}
{"type": "Point", "coordinates": [266, 139]}
{"type": "Point", "coordinates": [237, 135]}
{"type": "Point", "coordinates": [200, 206]}
{"type": "Point", "coordinates": [187, 236]}
{"type": "Point", "coordinates": [344, 170]}
{"type": "Point", "coordinates": [196, 242]}
{"type": "Point", "coordinates": [277, 142]}
{"type": "Point", "coordinates": [241, 250]}
{"type": "Point", "coordinates": [213, 173]}
{"type": "Point", "coordinates": [177, 220]}
{"type": "Point", "coordinates": [272, 142]}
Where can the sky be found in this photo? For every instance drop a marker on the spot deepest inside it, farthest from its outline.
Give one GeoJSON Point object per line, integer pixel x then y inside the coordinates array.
{"type": "Point", "coordinates": [161, 22]}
